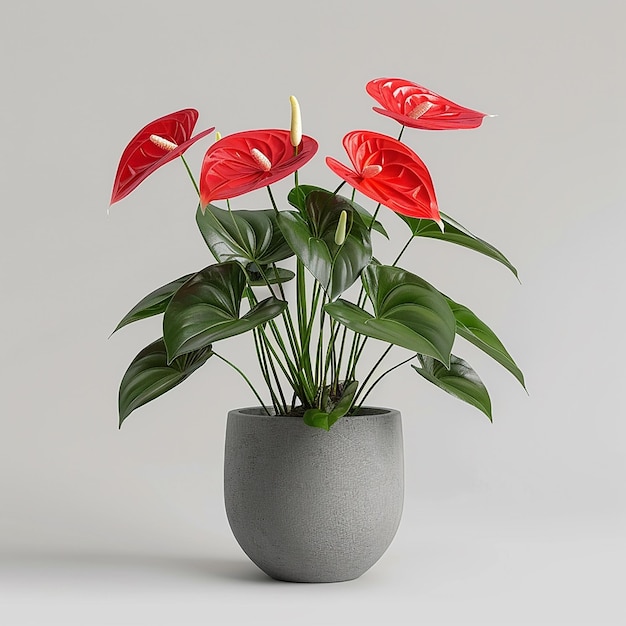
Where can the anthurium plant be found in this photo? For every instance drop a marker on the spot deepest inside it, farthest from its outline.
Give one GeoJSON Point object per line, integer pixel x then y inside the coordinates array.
{"type": "Point", "coordinates": [321, 241]}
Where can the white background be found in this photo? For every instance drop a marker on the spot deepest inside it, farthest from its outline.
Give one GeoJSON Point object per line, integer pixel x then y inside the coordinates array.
{"type": "Point", "coordinates": [519, 522]}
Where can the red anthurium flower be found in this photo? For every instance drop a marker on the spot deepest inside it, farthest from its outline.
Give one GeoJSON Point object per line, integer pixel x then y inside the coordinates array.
{"type": "Point", "coordinates": [388, 172]}
{"type": "Point", "coordinates": [415, 106]}
{"type": "Point", "coordinates": [154, 145]}
{"type": "Point", "coordinates": [249, 160]}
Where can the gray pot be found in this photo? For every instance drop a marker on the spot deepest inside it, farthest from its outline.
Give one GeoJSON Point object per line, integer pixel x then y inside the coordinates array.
{"type": "Point", "coordinates": [308, 505]}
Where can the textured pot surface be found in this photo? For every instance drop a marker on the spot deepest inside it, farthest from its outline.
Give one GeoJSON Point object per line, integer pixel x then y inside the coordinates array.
{"type": "Point", "coordinates": [308, 505]}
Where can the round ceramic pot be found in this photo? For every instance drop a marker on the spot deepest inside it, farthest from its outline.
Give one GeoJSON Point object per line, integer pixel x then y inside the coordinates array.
{"type": "Point", "coordinates": [307, 505]}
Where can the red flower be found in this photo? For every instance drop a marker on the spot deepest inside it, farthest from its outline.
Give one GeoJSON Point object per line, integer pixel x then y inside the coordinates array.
{"type": "Point", "coordinates": [154, 145]}
{"type": "Point", "coordinates": [249, 160]}
{"type": "Point", "coordinates": [388, 172]}
{"type": "Point", "coordinates": [415, 106]}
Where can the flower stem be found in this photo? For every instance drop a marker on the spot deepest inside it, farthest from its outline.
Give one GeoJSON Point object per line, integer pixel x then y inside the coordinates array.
{"type": "Point", "coordinates": [193, 180]}
{"type": "Point", "coordinates": [338, 188]}
{"type": "Point", "coordinates": [406, 245]}
{"type": "Point", "coordinates": [269, 191]}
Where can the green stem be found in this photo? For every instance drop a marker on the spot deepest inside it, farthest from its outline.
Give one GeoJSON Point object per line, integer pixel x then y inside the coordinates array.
{"type": "Point", "coordinates": [374, 218]}
{"type": "Point", "coordinates": [254, 391]}
{"type": "Point", "coordinates": [286, 315]}
{"type": "Point", "coordinates": [338, 188]}
{"type": "Point", "coordinates": [266, 342]}
{"type": "Point", "coordinates": [318, 357]}
{"type": "Point", "coordinates": [302, 321]}
{"type": "Point", "coordinates": [267, 345]}
{"type": "Point", "coordinates": [269, 191]}
{"type": "Point", "coordinates": [406, 245]}
{"type": "Point", "coordinates": [367, 378]}
{"type": "Point", "coordinates": [293, 375]}
{"type": "Point", "coordinates": [357, 356]}
{"type": "Point", "coordinates": [335, 382]}
{"type": "Point", "coordinates": [260, 353]}
{"type": "Point", "coordinates": [193, 180]}
{"type": "Point", "coordinates": [382, 376]}
{"type": "Point", "coordinates": [330, 352]}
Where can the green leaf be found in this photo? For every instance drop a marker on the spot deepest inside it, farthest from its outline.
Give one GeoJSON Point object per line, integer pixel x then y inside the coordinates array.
{"type": "Point", "coordinates": [313, 241]}
{"type": "Point", "coordinates": [150, 376]}
{"type": "Point", "coordinates": [255, 278]}
{"type": "Point", "coordinates": [455, 233]}
{"type": "Point", "coordinates": [154, 303]}
{"type": "Point", "coordinates": [408, 312]}
{"type": "Point", "coordinates": [325, 419]}
{"type": "Point", "coordinates": [470, 327]}
{"type": "Point", "coordinates": [243, 236]}
{"type": "Point", "coordinates": [297, 198]}
{"type": "Point", "coordinates": [206, 309]}
{"type": "Point", "coordinates": [459, 380]}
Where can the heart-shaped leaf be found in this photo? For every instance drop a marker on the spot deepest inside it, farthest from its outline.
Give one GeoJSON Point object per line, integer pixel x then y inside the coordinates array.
{"type": "Point", "coordinates": [408, 312]}
{"type": "Point", "coordinates": [243, 236]}
{"type": "Point", "coordinates": [324, 419]}
{"type": "Point", "coordinates": [459, 380]}
{"type": "Point", "coordinates": [206, 309]}
{"type": "Point", "coordinates": [455, 233]}
{"type": "Point", "coordinates": [311, 235]}
{"type": "Point", "coordinates": [297, 198]}
{"type": "Point", "coordinates": [154, 303]}
{"type": "Point", "coordinates": [150, 376]}
{"type": "Point", "coordinates": [470, 327]}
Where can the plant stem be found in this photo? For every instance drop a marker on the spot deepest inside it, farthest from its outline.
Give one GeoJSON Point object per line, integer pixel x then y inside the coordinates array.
{"type": "Point", "coordinates": [260, 353]}
{"type": "Point", "coordinates": [193, 180]}
{"type": "Point", "coordinates": [382, 376]}
{"type": "Point", "coordinates": [406, 245]}
{"type": "Point", "coordinates": [254, 391]}
{"type": "Point", "coordinates": [330, 352]}
{"type": "Point", "coordinates": [374, 218]}
{"type": "Point", "coordinates": [291, 333]}
{"type": "Point", "coordinates": [338, 188]}
{"type": "Point", "coordinates": [367, 378]}
{"type": "Point", "coordinates": [269, 191]}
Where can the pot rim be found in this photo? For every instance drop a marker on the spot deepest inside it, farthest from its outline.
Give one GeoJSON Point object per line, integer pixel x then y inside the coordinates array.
{"type": "Point", "coordinates": [258, 411]}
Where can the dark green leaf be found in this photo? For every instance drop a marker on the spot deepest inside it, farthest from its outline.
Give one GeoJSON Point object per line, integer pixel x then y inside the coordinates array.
{"type": "Point", "coordinates": [256, 279]}
{"type": "Point", "coordinates": [313, 252]}
{"type": "Point", "coordinates": [367, 218]}
{"type": "Point", "coordinates": [408, 312]}
{"type": "Point", "coordinates": [206, 309]}
{"type": "Point", "coordinates": [460, 380]}
{"type": "Point", "coordinates": [323, 419]}
{"type": "Point", "coordinates": [313, 241]}
{"type": "Point", "coordinates": [470, 327]}
{"type": "Point", "coordinates": [243, 236]}
{"type": "Point", "coordinates": [455, 233]}
{"type": "Point", "coordinates": [154, 303]}
{"type": "Point", "coordinates": [297, 198]}
{"type": "Point", "coordinates": [149, 375]}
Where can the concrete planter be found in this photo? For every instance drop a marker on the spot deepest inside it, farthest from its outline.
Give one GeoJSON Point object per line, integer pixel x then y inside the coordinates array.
{"type": "Point", "coordinates": [308, 505]}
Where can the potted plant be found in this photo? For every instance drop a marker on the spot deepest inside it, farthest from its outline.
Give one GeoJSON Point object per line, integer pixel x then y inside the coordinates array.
{"type": "Point", "coordinates": [313, 476]}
